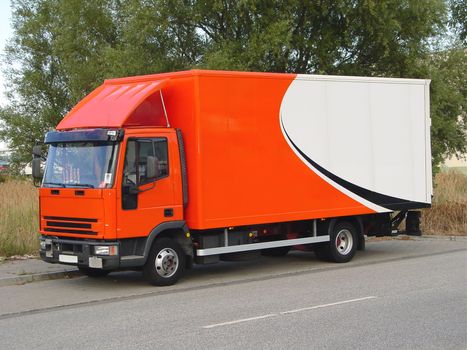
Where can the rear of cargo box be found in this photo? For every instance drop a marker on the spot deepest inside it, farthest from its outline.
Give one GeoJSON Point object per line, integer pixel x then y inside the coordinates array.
{"type": "Point", "coordinates": [371, 136]}
{"type": "Point", "coordinates": [265, 148]}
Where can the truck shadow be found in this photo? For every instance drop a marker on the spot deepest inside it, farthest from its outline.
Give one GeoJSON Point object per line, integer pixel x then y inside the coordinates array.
{"type": "Point", "coordinates": [221, 272]}
{"type": "Point", "coordinates": [236, 271]}
{"type": "Point", "coordinates": [260, 267]}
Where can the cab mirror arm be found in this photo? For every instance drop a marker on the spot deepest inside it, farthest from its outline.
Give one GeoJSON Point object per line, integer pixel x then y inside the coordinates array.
{"type": "Point", "coordinates": [135, 189]}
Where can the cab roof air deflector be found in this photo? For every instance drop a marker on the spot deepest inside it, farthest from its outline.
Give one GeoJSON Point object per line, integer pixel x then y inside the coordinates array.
{"type": "Point", "coordinates": [118, 103]}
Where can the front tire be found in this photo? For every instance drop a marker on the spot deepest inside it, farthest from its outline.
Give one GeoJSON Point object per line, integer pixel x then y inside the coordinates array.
{"type": "Point", "coordinates": [342, 245]}
{"type": "Point", "coordinates": [165, 264]}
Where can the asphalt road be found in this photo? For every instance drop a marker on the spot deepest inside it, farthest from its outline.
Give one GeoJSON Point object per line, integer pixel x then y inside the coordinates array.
{"type": "Point", "coordinates": [395, 295]}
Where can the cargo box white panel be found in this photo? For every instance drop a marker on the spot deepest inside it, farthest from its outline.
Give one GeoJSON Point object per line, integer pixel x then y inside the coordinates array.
{"type": "Point", "coordinates": [369, 132]}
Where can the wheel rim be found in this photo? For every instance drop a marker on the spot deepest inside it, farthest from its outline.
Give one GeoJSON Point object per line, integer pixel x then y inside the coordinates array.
{"type": "Point", "coordinates": [344, 241]}
{"type": "Point", "coordinates": [166, 262]}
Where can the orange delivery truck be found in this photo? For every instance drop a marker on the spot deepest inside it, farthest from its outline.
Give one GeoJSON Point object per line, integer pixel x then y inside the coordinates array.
{"type": "Point", "coordinates": [160, 172]}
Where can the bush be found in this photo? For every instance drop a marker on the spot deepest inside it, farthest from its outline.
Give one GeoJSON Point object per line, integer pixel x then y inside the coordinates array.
{"type": "Point", "coordinates": [3, 178]}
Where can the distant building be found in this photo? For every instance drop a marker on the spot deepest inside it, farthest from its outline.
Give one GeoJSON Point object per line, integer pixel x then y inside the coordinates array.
{"type": "Point", "coordinates": [27, 170]}
{"type": "Point", "coordinates": [453, 162]}
{"type": "Point", "coordinates": [4, 165]}
{"type": "Point", "coordinates": [4, 160]}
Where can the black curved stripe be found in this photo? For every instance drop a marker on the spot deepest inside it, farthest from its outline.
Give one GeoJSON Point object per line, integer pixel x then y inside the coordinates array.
{"type": "Point", "coordinates": [392, 203]}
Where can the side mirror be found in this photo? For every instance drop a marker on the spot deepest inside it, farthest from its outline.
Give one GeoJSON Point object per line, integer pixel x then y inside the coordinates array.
{"type": "Point", "coordinates": [152, 168]}
{"type": "Point", "coordinates": [133, 189]}
{"type": "Point", "coordinates": [37, 151]}
{"type": "Point", "coordinates": [36, 168]}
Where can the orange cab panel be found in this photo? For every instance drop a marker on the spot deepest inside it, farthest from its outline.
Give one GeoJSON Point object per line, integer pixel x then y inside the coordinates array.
{"type": "Point", "coordinates": [72, 212]}
{"type": "Point", "coordinates": [157, 201]}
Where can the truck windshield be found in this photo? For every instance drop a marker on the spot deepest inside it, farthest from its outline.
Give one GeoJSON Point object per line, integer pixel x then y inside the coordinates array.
{"type": "Point", "coordinates": [81, 164]}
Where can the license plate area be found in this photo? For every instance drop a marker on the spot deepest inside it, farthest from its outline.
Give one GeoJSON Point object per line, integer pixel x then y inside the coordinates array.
{"type": "Point", "coordinates": [95, 262]}
{"type": "Point", "coordinates": [68, 259]}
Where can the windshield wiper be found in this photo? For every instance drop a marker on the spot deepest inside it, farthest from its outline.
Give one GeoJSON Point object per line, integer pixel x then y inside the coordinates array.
{"type": "Point", "coordinates": [54, 183]}
{"type": "Point", "coordinates": [81, 185]}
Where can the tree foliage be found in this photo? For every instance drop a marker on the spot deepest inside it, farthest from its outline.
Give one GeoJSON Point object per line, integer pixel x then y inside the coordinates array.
{"type": "Point", "coordinates": [458, 20]}
{"type": "Point", "coordinates": [62, 49]}
{"type": "Point", "coordinates": [448, 70]}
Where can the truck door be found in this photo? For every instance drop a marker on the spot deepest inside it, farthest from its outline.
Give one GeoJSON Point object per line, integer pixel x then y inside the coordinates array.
{"type": "Point", "coordinates": [147, 190]}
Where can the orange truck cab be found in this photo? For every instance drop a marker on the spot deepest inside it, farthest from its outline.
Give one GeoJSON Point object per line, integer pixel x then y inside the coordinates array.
{"type": "Point", "coordinates": [162, 171]}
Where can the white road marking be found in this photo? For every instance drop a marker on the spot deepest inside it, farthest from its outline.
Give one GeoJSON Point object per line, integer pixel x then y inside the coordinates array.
{"type": "Point", "coordinates": [326, 305]}
{"type": "Point", "coordinates": [286, 312]}
{"type": "Point", "coordinates": [240, 321]}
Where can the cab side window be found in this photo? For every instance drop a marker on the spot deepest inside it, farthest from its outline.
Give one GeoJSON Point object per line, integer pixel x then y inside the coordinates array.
{"type": "Point", "coordinates": [162, 160]}
{"type": "Point", "coordinates": [145, 155]}
{"type": "Point", "coordinates": [142, 154]}
{"type": "Point", "coordinates": [146, 161]}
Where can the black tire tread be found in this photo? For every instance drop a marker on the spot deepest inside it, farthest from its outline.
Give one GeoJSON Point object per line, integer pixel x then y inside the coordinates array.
{"type": "Point", "coordinates": [149, 269]}
{"type": "Point", "coordinates": [334, 255]}
{"type": "Point", "coordinates": [328, 251]}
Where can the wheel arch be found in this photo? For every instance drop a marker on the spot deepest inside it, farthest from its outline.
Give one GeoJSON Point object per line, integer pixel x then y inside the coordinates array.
{"type": "Point", "coordinates": [356, 221]}
{"type": "Point", "coordinates": [176, 230]}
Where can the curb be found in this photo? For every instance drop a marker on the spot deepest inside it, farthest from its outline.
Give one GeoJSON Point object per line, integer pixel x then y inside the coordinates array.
{"type": "Point", "coordinates": [440, 238]}
{"type": "Point", "coordinates": [403, 237]}
{"type": "Point", "coordinates": [22, 279]}
{"type": "Point", "coordinates": [36, 277]}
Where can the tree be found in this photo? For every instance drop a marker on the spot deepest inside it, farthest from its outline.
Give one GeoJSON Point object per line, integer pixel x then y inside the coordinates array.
{"type": "Point", "coordinates": [458, 20]}
{"type": "Point", "coordinates": [62, 49]}
{"type": "Point", "coordinates": [50, 67]}
{"type": "Point", "coordinates": [448, 70]}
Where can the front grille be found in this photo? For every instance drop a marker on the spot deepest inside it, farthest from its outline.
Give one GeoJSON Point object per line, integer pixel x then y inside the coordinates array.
{"type": "Point", "coordinates": [80, 226]}
{"type": "Point", "coordinates": [67, 224]}
{"type": "Point", "coordinates": [72, 248]}
{"type": "Point", "coordinates": [69, 219]}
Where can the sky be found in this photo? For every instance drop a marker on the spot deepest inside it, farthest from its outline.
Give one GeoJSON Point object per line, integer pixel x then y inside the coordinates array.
{"type": "Point", "coordinates": [5, 34]}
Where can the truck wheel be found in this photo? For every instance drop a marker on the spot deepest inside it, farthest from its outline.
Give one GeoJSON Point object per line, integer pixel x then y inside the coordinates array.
{"type": "Point", "coordinates": [165, 264]}
{"type": "Point", "coordinates": [280, 251]}
{"type": "Point", "coordinates": [94, 273]}
{"type": "Point", "coordinates": [342, 245]}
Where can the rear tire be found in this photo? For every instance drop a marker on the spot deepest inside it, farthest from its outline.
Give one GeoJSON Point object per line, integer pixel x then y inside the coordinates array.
{"type": "Point", "coordinates": [165, 264]}
{"type": "Point", "coordinates": [93, 273]}
{"type": "Point", "coordinates": [342, 245]}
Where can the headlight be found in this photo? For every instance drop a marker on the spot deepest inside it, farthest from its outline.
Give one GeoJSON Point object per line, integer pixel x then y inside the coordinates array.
{"type": "Point", "coordinates": [43, 245]}
{"type": "Point", "coordinates": [105, 250]}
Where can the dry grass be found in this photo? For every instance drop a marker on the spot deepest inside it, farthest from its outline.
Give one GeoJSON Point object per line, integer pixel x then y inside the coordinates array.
{"type": "Point", "coordinates": [18, 218]}
{"type": "Point", "coordinates": [19, 212]}
{"type": "Point", "coordinates": [448, 214]}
